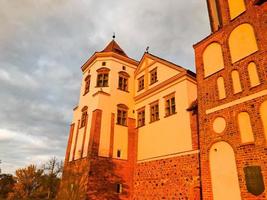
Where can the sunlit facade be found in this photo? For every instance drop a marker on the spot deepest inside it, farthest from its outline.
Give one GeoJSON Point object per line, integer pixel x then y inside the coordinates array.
{"type": "Point", "coordinates": [151, 129]}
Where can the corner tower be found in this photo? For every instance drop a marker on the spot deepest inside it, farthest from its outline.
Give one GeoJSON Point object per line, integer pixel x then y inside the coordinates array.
{"type": "Point", "coordinates": [232, 100]}
{"type": "Point", "coordinates": [98, 154]}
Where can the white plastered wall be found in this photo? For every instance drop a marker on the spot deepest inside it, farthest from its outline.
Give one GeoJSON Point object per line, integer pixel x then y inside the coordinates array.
{"type": "Point", "coordinates": [108, 105]}
{"type": "Point", "coordinates": [169, 135]}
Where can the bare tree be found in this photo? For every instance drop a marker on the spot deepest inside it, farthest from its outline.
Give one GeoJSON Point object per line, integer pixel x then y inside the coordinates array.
{"type": "Point", "coordinates": [53, 170]}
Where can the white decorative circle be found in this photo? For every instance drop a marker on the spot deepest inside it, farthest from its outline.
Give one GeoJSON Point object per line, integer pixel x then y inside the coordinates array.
{"type": "Point", "coordinates": [219, 125]}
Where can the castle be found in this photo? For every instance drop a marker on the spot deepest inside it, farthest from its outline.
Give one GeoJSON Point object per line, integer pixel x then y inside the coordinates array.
{"type": "Point", "coordinates": [151, 129]}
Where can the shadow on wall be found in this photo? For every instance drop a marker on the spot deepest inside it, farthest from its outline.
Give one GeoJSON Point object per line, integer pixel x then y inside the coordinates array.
{"type": "Point", "coordinates": [93, 179]}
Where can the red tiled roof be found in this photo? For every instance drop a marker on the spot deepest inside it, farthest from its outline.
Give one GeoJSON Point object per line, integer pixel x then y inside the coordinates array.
{"type": "Point", "coordinates": [114, 47]}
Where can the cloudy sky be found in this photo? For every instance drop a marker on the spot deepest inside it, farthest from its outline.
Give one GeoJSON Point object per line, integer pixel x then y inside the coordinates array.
{"type": "Point", "coordinates": [43, 44]}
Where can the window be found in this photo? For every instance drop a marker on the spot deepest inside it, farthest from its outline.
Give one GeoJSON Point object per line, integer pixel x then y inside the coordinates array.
{"type": "Point", "coordinates": [118, 153]}
{"type": "Point", "coordinates": [236, 82]}
{"type": "Point", "coordinates": [119, 188]}
{"type": "Point", "coordinates": [141, 83]}
{"type": "Point", "coordinates": [141, 117]}
{"type": "Point", "coordinates": [253, 74]}
{"type": "Point", "coordinates": [84, 116]}
{"type": "Point", "coordinates": [87, 84]}
{"type": "Point", "coordinates": [245, 127]}
{"type": "Point", "coordinates": [122, 112]}
{"type": "Point", "coordinates": [154, 111]}
{"type": "Point", "coordinates": [170, 107]}
{"type": "Point", "coordinates": [153, 76]}
{"type": "Point", "coordinates": [242, 42]}
{"type": "Point", "coordinates": [123, 81]}
{"type": "Point", "coordinates": [102, 80]}
{"type": "Point", "coordinates": [236, 7]}
{"type": "Point", "coordinates": [103, 63]}
{"type": "Point", "coordinates": [213, 59]}
{"type": "Point", "coordinates": [221, 88]}
{"type": "Point", "coordinates": [102, 77]}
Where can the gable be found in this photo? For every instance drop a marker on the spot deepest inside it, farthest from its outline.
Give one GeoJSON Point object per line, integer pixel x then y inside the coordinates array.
{"type": "Point", "coordinates": [148, 60]}
{"type": "Point", "coordinates": [154, 71]}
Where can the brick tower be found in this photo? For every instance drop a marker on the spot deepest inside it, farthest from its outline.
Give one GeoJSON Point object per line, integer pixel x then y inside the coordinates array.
{"type": "Point", "coordinates": [231, 66]}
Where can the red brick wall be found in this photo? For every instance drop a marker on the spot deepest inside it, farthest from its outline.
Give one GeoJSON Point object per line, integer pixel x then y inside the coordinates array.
{"type": "Point", "coordinates": [106, 173]}
{"type": "Point", "coordinates": [96, 177]}
{"type": "Point", "coordinates": [246, 154]}
{"type": "Point", "coordinates": [194, 129]}
{"type": "Point", "coordinates": [75, 174]}
{"type": "Point", "coordinates": [172, 178]}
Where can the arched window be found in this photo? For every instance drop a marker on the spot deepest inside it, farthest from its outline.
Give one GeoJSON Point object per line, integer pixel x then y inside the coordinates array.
{"type": "Point", "coordinates": [253, 74]}
{"type": "Point", "coordinates": [84, 116]}
{"type": "Point", "coordinates": [223, 170]}
{"type": "Point", "coordinates": [87, 84]}
{"type": "Point", "coordinates": [213, 59]}
{"type": "Point", "coordinates": [263, 114]}
{"type": "Point", "coordinates": [221, 88]}
{"type": "Point", "coordinates": [236, 7]}
{"type": "Point", "coordinates": [236, 82]}
{"type": "Point", "coordinates": [245, 128]}
{"type": "Point", "coordinates": [102, 77]}
{"type": "Point", "coordinates": [242, 42]}
{"type": "Point", "coordinates": [122, 114]}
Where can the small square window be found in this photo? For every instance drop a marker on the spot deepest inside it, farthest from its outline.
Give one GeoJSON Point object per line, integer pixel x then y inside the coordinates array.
{"type": "Point", "coordinates": [102, 80]}
{"type": "Point", "coordinates": [103, 63]}
{"type": "Point", "coordinates": [123, 68]}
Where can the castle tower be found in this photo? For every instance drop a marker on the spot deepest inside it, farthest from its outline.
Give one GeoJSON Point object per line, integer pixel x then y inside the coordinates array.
{"type": "Point", "coordinates": [231, 66]}
{"type": "Point", "coordinates": [101, 148]}
{"type": "Point", "coordinates": [131, 136]}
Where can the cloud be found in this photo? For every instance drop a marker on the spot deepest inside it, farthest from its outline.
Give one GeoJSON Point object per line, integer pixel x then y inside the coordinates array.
{"type": "Point", "coordinates": [43, 45]}
{"type": "Point", "coordinates": [21, 148]}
